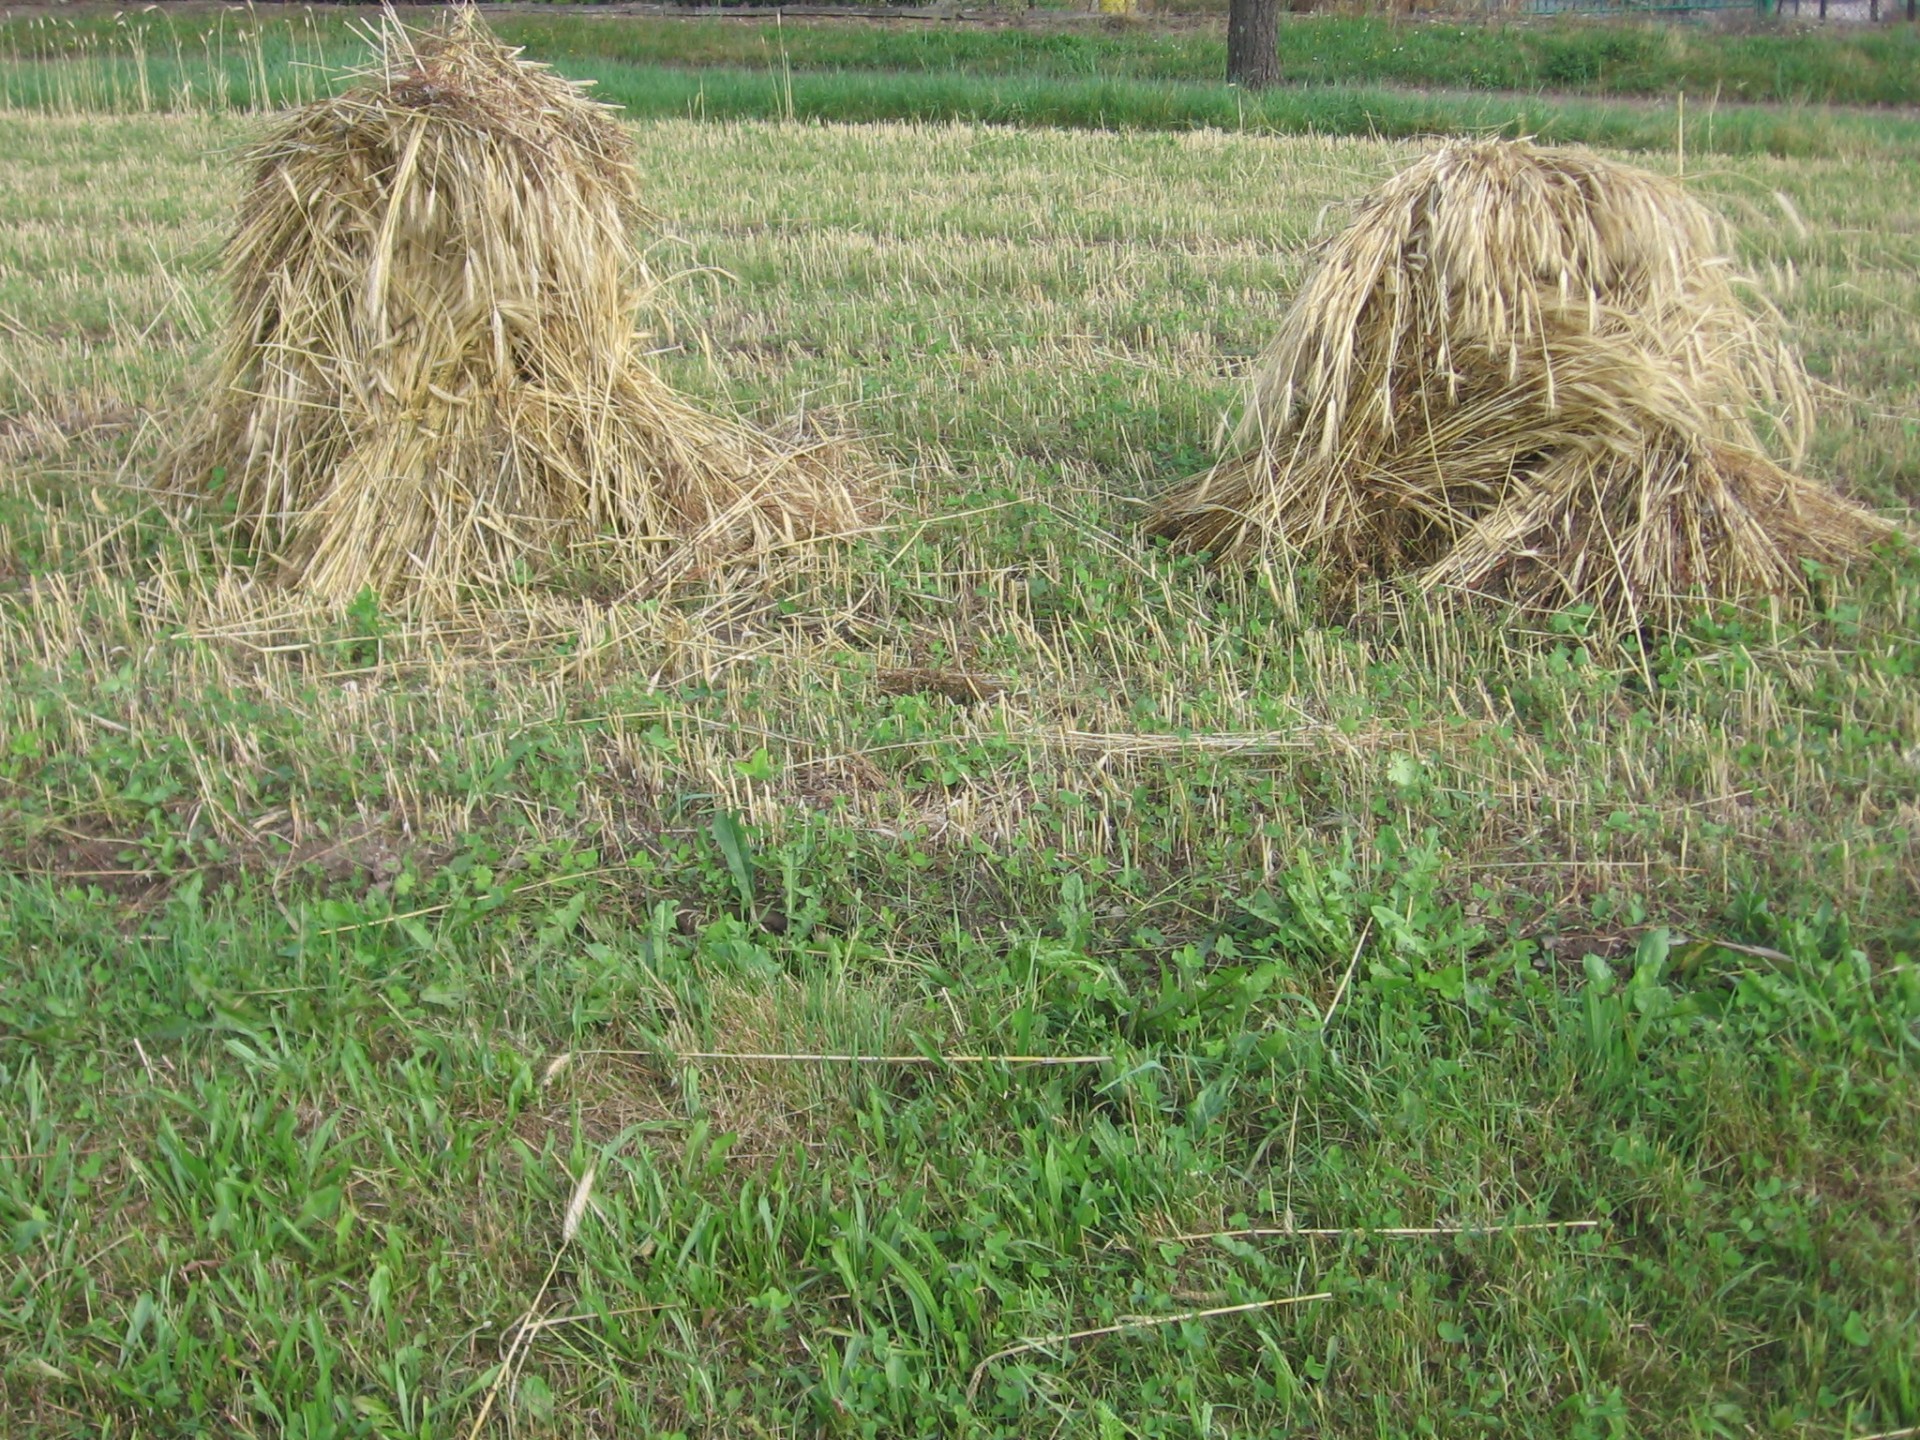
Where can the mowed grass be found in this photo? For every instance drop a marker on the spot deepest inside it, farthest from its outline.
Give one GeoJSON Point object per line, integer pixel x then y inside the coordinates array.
{"type": "Point", "coordinates": [341, 946]}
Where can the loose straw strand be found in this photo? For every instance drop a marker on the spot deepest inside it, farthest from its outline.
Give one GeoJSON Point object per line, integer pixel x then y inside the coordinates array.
{"type": "Point", "coordinates": [1383, 1232]}
{"type": "Point", "coordinates": [1128, 1325]}
{"type": "Point", "coordinates": [806, 1058]}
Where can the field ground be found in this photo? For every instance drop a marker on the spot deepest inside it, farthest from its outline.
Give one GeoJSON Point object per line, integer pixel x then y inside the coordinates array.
{"type": "Point", "coordinates": [337, 947]}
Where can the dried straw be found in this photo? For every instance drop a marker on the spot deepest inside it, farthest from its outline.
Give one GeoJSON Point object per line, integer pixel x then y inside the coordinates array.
{"type": "Point", "coordinates": [1527, 372]}
{"type": "Point", "coordinates": [432, 377]}
{"type": "Point", "coordinates": [1131, 1324]}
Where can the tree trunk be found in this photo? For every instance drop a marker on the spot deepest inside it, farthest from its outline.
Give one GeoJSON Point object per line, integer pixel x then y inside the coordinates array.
{"type": "Point", "coordinates": [1253, 43]}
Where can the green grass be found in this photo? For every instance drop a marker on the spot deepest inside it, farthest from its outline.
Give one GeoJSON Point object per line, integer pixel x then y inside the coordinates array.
{"type": "Point", "coordinates": [1352, 76]}
{"type": "Point", "coordinates": [1861, 66]}
{"type": "Point", "coordinates": [1853, 65]}
{"type": "Point", "coordinates": [1393, 917]}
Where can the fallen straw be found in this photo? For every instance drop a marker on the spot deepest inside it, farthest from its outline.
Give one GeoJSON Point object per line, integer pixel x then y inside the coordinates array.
{"type": "Point", "coordinates": [896, 1059]}
{"type": "Point", "coordinates": [1384, 1232]}
{"type": "Point", "coordinates": [1129, 1324]}
{"type": "Point", "coordinates": [803, 1058]}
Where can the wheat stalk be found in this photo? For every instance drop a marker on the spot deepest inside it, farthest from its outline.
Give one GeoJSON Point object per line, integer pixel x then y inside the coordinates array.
{"type": "Point", "coordinates": [527, 1327]}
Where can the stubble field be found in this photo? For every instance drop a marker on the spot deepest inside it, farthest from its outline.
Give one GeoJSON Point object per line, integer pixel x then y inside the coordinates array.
{"type": "Point", "coordinates": [376, 992]}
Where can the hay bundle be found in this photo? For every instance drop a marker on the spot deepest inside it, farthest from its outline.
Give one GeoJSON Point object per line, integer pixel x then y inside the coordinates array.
{"type": "Point", "coordinates": [1525, 372]}
{"type": "Point", "coordinates": [432, 375]}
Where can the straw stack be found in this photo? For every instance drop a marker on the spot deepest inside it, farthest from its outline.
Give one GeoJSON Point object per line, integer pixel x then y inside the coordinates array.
{"type": "Point", "coordinates": [1526, 372]}
{"type": "Point", "coordinates": [431, 377]}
